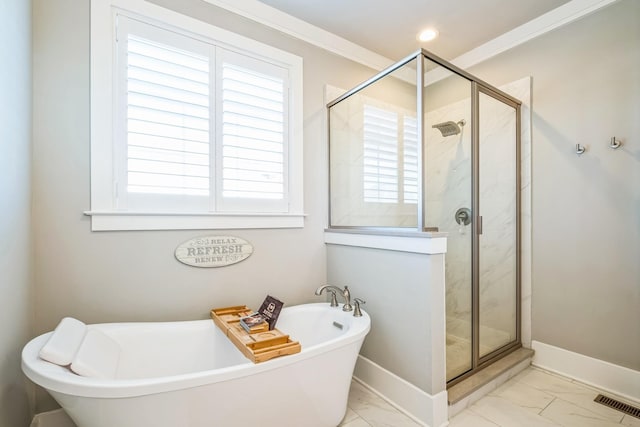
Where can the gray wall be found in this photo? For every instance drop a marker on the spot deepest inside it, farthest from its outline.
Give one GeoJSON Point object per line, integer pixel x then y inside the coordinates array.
{"type": "Point", "coordinates": [133, 276]}
{"type": "Point", "coordinates": [400, 290]}
{"type": "Point", "coordinates": [586, 210]}
{"type": "Point", "coordinates": [15, 207]}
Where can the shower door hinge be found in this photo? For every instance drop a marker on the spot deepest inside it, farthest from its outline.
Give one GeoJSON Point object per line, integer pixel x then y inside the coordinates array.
{"type": "Point", "coordinates": [479, 224]}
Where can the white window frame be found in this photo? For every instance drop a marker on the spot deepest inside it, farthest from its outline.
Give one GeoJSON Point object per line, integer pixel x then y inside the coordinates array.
{"type": "Point", "coordinates": [104, 213]}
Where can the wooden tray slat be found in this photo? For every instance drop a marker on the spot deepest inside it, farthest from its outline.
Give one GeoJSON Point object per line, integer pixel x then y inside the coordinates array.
{"type": "Point", "coordinates": [269, 342]}
{"type": "Point", "coordinates": [257, 347]}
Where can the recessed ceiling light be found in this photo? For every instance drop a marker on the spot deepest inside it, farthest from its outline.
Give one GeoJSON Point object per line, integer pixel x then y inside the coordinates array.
{"type": "Point", "coordinates": [428, 35]}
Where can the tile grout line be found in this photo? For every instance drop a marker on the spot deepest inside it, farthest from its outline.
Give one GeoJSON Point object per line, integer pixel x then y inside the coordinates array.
{"type": "Point", "coordinates": [359, 416]}
{"type": "Point", "coordinates": [393, 406]}
{"type": "Point", "coordinates": [363, 418]}
{"type": "Point", "coordinates": [548, 404]}
{"type": "Point", "coordinates": [484, 417]}
{"type": "Point", "coordinates": [608, 393]}
{"type": "Point", "coordinates": [549, 420]}
{"type": "Point", "coordinates": [559, 394]}
{"type": "Point", "coordinates": [591, 413]}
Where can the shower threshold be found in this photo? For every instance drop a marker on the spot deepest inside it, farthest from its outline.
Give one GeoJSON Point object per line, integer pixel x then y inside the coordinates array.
{"type": "Point", "coordinates": [497, 372]}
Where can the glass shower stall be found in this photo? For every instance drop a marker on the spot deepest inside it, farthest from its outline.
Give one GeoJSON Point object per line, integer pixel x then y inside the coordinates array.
{"type": "Point", "coordinates": [426, 147]}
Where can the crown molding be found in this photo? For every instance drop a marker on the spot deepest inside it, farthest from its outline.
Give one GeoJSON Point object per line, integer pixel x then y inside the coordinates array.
{"type": "Point", "coordinates": [543, 24]}
{"type": "Point", "coordinates": [292, 26]}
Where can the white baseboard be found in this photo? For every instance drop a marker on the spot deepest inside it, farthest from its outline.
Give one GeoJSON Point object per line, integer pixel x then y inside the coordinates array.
{"type": "Point", "coordinates": [428, 410]}
{"type": "Point", "coordinates": [615, 379]}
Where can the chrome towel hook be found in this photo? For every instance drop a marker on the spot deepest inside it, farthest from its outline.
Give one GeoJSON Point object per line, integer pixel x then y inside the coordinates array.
{"type": "Point", "coordinates": [614, 144]}
{"type": "Point", "coordinates": [580, 149]}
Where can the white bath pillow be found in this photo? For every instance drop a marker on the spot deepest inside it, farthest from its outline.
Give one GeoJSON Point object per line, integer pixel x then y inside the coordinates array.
{"type": "Point", "coordinates": [63, 344]}
{"type": "Point", "coordinates": [97, 357]}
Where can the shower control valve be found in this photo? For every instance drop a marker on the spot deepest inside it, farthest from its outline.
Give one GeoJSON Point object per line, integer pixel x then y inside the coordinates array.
{"type": "Point", "coordinates": [463, 216]}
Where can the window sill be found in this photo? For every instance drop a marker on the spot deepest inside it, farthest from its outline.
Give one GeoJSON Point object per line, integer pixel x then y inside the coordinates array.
{"type": "Point", "coordinates": [123, 221]}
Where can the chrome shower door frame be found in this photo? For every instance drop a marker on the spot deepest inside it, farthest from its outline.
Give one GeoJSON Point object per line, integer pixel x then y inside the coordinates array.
{"type": "Point", "coordinates": [477, 86]}
{"type": "Point", "coordinates": [479, 362]}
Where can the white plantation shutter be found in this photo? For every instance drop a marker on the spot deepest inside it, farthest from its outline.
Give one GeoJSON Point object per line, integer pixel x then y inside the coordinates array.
{"type": "Point", "coordinates": [192, 126]}
{"type": "Point", "coordinates": [410, 157]}
{"type": "Point", "coordinates": [390, 177]}
{"type": "Point", "coordinates": [167, 119]}
{"type": "Point", "coordinates": [253, 158]}
{"type": "Point", "coordinates": [380, 155]}
{"type": "Point", "coordinates": [202, 128]}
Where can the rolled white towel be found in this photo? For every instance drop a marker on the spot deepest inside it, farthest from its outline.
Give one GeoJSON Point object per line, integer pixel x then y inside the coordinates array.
{"type": "Point", "coordinates": [64, 343]}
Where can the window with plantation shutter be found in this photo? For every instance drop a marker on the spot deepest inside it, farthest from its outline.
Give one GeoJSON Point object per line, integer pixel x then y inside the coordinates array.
{"type": "Point", "coordinates": [390, 156]}
{"type": "Point", "coordinates": [167, 119]}
{"type": "Point", "coordinates": [380, 155]}
{"type": "Point", "coordinates": [253, 103]}
{"type": "Point", "coordinates": [193, 127]}
{"type": "Point", "coordinates": [164, 135]}
{"type": "Point", "coordinates": [410, 157]}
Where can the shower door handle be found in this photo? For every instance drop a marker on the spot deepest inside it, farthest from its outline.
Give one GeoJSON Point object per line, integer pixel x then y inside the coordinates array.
{"type": "Point", "coordinates": [479, 224]}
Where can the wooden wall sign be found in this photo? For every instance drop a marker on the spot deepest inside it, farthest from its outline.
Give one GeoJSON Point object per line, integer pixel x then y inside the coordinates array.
{"type": "Point", "coordinates": [213, 251]}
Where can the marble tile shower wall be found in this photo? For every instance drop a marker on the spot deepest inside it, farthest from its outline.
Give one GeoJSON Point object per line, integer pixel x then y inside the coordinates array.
{"type": "Point", "coordinates": [448, 188]}
{"type": "Point", "coordinates": [521, 89]}
{"type": "Point", "coordinates": [448, 184]}
{"type": "Point", "coordinates": [498, 207]}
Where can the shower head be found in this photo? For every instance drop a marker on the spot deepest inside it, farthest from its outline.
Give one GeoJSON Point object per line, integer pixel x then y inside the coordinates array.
{"type": "Point", "coordinates": [449, 128]}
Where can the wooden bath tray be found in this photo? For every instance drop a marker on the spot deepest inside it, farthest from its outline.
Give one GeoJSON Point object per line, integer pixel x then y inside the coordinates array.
{"type": "Point", "coordinates": [257, 347]}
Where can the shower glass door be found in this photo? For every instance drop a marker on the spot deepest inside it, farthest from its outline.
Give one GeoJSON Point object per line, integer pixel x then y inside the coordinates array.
{"type": "Point", "coordinates": [448, 190]}
{"type": "Point", "coordinates": [497, 207]}
{"type": "Point", "coordinates": [482, 261]}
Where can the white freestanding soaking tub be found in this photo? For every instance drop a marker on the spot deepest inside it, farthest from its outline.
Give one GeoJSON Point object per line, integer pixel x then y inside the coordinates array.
{"type": "Point", "coordinates": [188, 374]}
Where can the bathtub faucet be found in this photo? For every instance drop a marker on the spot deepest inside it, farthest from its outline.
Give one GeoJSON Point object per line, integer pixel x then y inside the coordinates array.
{"type": "Point", "coordinates": [344, 292]}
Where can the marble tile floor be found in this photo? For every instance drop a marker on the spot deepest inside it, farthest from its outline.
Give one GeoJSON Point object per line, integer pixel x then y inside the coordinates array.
{"type": "Point", "coordinates": [532, 398]}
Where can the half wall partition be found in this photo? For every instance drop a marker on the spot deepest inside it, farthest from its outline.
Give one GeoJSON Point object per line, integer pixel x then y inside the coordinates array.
{"type": "Point", "coordinates": [425, 146]}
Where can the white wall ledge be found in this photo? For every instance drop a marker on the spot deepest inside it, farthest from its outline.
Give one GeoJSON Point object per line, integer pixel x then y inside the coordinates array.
{"type": "Point", "coordinates": [394, 240]}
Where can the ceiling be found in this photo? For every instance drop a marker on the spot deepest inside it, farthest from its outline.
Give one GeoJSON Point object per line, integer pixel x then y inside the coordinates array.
{"type": "Point", "coordinates": [390, 28]}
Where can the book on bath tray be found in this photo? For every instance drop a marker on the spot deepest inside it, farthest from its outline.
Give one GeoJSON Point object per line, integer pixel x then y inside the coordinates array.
{"type": "Point", "coordinates": [265, 318]}
{"type": "Point", "coordinates": [254, 323]}
{"type": "Point", "coordinates": [270, 310]}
